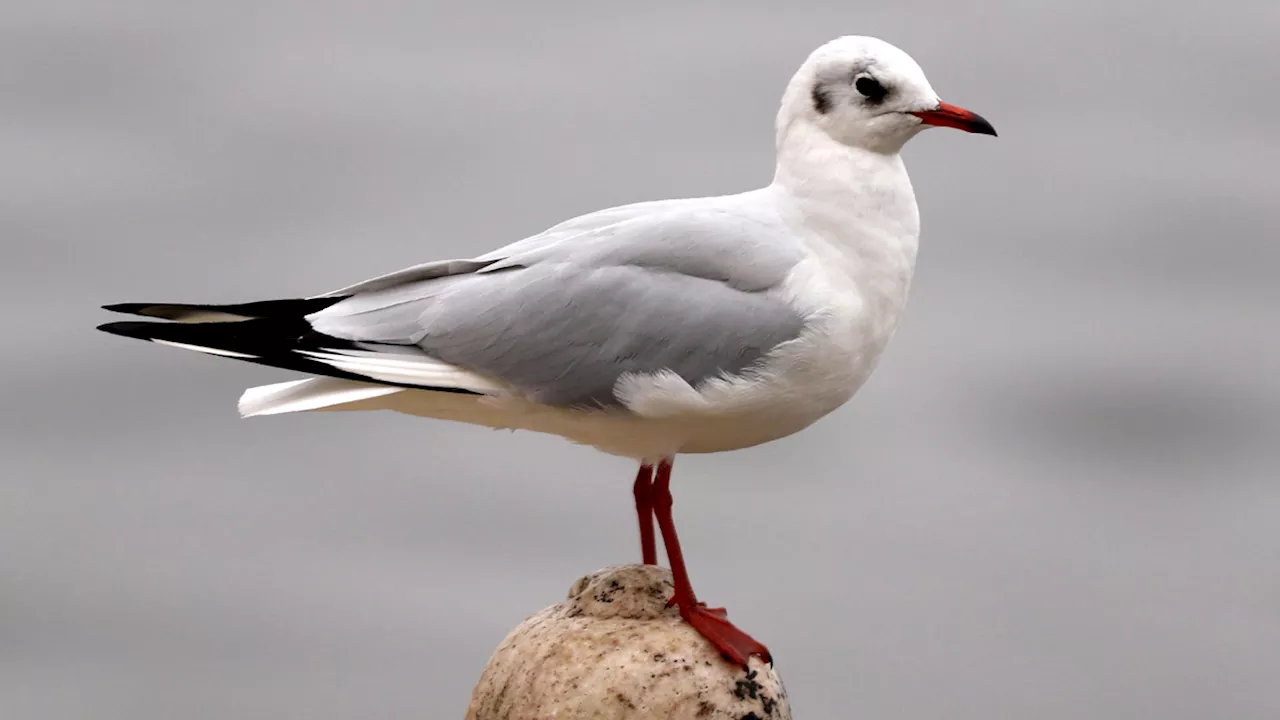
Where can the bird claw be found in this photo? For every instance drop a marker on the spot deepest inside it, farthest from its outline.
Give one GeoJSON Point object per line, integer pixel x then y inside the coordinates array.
{"type": "Point", "coordinates": [734, 645]}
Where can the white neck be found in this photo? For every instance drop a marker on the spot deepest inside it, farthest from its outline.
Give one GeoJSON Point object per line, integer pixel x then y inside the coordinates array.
{"type": "Point", "coordinates": [859, 216]}
{"type": "Point", "coordinates": [850, 195]}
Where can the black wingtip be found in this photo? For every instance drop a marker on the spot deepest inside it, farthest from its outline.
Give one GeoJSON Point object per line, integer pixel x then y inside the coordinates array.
{"type": "Point", "coordinates": [164, 311]}
{"type": "Point", "coordinates": [276, 343]}
{"type": "Point", "coordinates": [190, 312]}
{"type": "Point", "coordinates": [128, 308]}
{"type": "Point", "coordinates": [155, 310]}
{"type": "Point", "coordinates": [134, 329]}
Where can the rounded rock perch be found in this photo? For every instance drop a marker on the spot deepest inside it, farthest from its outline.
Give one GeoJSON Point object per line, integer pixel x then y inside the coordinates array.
{"type": "Point", "coordinates": [614, 649]}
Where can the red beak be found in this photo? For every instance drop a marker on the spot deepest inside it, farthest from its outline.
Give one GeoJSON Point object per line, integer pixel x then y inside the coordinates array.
{"type": "Point", "coordinates": [946, 115]}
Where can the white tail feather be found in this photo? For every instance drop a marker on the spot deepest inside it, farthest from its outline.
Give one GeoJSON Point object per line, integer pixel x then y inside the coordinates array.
{"type": "Point", "coordinates": [311, 394]}
{"type": "Point", "coordinates": [407, 369]}
{"type": "Point", "coordinates": [203, 349]}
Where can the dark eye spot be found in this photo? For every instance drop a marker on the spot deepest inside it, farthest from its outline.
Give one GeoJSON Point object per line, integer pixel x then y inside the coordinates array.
{"type": "Point", "coordinates": [821, 100]}
{"type": "Point", "coordinates": [871, 89]}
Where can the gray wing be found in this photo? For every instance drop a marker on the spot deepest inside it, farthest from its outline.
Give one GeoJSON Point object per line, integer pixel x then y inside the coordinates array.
{"type": "Point", "coordinates": [575, 231]}
{"type": "Point", "coordinates": [683, 289]}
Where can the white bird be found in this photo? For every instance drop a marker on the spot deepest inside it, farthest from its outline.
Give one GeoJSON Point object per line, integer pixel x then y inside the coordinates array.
{"type": "Point", "coordinates": [647, 330]}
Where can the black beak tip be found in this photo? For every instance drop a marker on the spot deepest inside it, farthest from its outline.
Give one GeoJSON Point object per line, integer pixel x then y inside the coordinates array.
{"type": "Point", "coordinates": [982, 127]}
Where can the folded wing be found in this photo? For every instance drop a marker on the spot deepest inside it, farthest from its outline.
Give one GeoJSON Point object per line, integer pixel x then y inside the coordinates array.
{"type": "Point", "coordinates": [681, 288]}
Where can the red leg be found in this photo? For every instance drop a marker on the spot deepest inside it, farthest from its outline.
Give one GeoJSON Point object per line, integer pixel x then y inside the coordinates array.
{"type": "Point", "coordinates": [643, 490]}
{"type": "Point", "coordinates": [711, 623]}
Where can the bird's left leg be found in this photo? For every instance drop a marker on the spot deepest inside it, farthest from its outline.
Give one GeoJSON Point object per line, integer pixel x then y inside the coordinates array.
{"type": "Point", "coordinates": [643, 491]}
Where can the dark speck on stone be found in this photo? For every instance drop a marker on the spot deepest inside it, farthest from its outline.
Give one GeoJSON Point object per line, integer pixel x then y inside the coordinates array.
{"type": "Point", "coordinates": [747, 688]}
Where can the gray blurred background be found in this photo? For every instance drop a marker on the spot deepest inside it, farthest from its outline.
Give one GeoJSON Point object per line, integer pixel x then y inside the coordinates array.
{"type": "Point", "coordinates": [1057, 498]}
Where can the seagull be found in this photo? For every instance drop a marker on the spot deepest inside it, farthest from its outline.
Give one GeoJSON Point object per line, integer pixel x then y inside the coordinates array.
{"type": "Point", "coordinates": [693, 325]}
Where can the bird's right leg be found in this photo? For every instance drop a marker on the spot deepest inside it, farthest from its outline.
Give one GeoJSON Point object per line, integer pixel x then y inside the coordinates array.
{"type": "Point", "coordinates": [643, 491]}
{"type": "Point", "coordinates": [712, 623]}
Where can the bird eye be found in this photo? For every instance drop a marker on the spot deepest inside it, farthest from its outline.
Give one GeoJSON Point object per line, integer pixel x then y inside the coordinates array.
{"type": "Point", "coordinates": [870, 88]}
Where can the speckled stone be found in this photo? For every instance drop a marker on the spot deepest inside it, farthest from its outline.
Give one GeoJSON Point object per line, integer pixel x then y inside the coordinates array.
{"type": "Point", "coordinates": [613, 649]}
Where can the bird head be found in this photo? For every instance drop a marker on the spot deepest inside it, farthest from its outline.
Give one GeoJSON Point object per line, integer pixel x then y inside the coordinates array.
{"type": "Point", "coordinates": [865, 93]}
